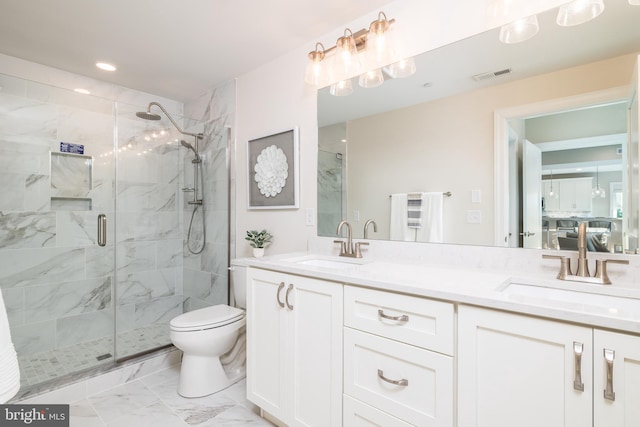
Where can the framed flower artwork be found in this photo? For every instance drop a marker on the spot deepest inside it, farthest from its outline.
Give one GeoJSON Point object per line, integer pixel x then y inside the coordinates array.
{"type": "Point", "coordinates": [273, 171]}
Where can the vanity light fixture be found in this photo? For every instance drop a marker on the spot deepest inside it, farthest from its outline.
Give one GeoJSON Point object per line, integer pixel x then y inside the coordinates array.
{"type": "Point", "coordinates": [315, 73]}
{"type": "Point", "coordinates": [327, 66]}
{"type": "Point", "coordinates": [598, 191]}
{"type": "Point", "coordinates": [346, 54]}
{"type": "Point", "coordinates": [578, 12]}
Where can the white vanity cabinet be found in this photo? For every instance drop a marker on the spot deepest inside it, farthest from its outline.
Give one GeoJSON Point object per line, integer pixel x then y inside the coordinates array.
{"type": "Point", "coordinates": [519, 370]}
{"type": "Point", "coordinates": [616, 395]}
{"type": "Point", "coordinates": [398, 360]}
{"type": "Point", "coordinates": [294, 348]}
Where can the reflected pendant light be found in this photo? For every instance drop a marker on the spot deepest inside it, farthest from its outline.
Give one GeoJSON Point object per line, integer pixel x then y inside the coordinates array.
{"type": "Point", "coordinates": [578, 12]}
{"type": "Point", "coordinates": [520, 30]}
{"type": "Point", "coordinates": [551, 192]}
{"type": "Point", "coordinates": [341, 88]}
{"type": "Point", "coordinates": [371, 78]}
{"type": "Point", "coordinates": [598, 191]}
{"type": "Point", "coordinates": [403, 68]}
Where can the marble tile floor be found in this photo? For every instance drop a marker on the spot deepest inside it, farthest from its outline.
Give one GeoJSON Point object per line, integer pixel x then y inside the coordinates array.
{"type": "Point", "coordinates": [154, 401]}
{"type": "Point", "coordinates": [50, 365]}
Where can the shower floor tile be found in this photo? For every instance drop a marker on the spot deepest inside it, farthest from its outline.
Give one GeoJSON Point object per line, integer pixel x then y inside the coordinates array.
{"type": "Point", "coordinates": [53, 364]}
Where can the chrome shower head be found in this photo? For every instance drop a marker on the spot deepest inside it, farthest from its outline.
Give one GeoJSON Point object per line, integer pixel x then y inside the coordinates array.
{"type": "Point", "coordinates": [147, 115]}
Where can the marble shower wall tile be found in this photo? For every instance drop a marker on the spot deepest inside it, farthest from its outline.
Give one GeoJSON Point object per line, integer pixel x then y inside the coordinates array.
{"type": "Point", "coordinates": [34, 337]}
{"type": "Point", "coordinates": [12, 189]}
{"type": "Point", "coordinates": [158, 311]}
{"type": "Point", "coordinates": [145, 286]}
{"type": "Point", "coordinates": [31, 267]}
{"type": "Point", "coordinates": [94, 325]}
{"type": "Point", "coordinates": [36, 193]}
{"type": "Point", "coordinates": [142, 197]}
{"type": "Point", "coordinates": [80, 229]}
{"type": "Point", "coordinates": [66, 299]}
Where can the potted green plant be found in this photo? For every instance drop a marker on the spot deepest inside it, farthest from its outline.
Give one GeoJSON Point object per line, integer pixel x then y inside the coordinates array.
{"type": "Point", "coordinates": [258, 241]}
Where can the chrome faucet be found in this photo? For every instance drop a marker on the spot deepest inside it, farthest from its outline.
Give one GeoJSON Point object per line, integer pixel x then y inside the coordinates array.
{"type": "Point", "coordinates": [582, 272]}
{"type": "Point", "coordinates": [348, 248]}
{"type": "Point", "coordinates": [366, 227]}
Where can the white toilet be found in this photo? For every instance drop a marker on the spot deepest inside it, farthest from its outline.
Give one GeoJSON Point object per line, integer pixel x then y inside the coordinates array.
{"type": "Point", "coordinates": [207, 335]}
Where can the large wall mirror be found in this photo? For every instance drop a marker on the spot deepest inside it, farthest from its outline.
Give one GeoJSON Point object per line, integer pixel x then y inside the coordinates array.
{"type": "Point", "coordinates": [564, 96]}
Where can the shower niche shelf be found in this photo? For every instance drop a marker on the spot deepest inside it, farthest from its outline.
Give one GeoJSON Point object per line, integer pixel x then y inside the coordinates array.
{"type": "Point", "coordinates": [71, 181]}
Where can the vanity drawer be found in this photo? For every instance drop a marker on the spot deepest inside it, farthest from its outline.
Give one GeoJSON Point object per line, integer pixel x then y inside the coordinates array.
{"type": "Point", "coordinates": [418, 321]}
{"type": "Point", "coordinates": [371, 363]}
{"type": "Point", "coordinates": [356, 413]}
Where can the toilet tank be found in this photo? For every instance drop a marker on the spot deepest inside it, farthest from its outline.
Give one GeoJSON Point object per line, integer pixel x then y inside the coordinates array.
{"type": "Point", "coordinates": [238, 277]}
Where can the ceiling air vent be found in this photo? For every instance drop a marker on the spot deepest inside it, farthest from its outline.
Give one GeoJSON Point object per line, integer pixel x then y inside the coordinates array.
{"type": "Point", "coordinates": [491, 75]}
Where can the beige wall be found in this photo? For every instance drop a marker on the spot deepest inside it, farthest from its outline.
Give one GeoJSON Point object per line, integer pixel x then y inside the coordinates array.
{"type": "Point", "coordinates": [447, 145]}
{"type": "Point", "coordinates": [273, 98]}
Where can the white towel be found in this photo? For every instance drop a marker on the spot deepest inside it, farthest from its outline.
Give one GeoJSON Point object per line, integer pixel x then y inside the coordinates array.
{"type": "Point", "coordinates": [432, 220]}
{"type": "Point", "coordinates": [398, 229]}
{"type": "Point", "coordinates": [9, 370]}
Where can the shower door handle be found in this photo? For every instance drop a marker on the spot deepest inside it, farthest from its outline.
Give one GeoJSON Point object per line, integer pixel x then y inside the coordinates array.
{"type": "Point", "coordinates": [102, 230]}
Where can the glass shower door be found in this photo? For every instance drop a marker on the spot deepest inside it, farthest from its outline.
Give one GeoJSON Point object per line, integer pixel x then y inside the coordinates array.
{"type": "Point", "coordinates": [57, 174]}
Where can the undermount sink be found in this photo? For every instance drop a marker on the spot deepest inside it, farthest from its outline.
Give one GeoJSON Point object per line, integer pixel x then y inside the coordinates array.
{"type": "Point", "coordinates": [325, 262]}
{"type": "Point", "coordinates": [583, 299]}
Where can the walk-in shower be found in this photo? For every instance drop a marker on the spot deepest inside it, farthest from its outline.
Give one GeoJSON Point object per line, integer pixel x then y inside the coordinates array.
{"type": "Point", "coordinates": [198, 180]}
{"type": "Point", "coordinates": [78, 302]}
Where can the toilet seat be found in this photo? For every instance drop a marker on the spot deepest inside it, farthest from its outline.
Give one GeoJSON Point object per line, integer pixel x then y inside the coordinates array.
{"type": "Point", "coordinates": [206, 318]}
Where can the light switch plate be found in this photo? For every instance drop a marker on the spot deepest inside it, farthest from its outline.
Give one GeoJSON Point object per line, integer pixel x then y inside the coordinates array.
{"type": "Point", "coordinates": [309, 217]}
{"type": "Point", "coordinates": [476, 196]}
{"type": "Point", "coordinates": [474, 216]}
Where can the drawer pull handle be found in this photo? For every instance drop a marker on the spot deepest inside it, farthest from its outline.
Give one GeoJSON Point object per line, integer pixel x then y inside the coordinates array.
{"type": "Point", "coordinates": [609, 355]}
{"type": "Point", "coordinates": [578, 347]}
{"type": "Point", "coordinates": [402, 318]}
{"type": "Point", "coordinates": [280, 286]}
{"type": "Point", "coordinates": [401, 382]}
{"type": "Point", "coordinates": [286, 296]}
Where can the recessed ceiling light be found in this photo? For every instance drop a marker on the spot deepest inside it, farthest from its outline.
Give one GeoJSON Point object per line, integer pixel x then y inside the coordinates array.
{"type": "Point", "coordinates": [82, 91]}
{"type": "Point", "coordinates": [105, 66]}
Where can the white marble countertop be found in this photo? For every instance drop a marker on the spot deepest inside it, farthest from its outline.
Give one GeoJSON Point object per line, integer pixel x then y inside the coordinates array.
{"type": "Point", "coordinates": [589, 304]}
